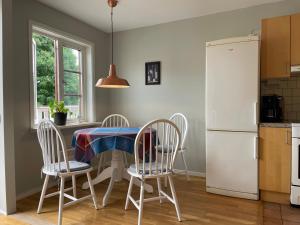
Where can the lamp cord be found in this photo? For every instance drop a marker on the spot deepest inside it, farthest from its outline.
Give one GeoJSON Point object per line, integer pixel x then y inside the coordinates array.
{"type": "Point", "coordinates": [112, 35]}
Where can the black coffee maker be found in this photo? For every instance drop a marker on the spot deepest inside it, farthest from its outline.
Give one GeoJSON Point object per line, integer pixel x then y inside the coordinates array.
{"type": "Point", "coordinates": [271, 109]}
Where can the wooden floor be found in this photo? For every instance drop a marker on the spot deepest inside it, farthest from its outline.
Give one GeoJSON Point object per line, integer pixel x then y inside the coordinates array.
{"type": "Point", "coordinates": [197, 206]}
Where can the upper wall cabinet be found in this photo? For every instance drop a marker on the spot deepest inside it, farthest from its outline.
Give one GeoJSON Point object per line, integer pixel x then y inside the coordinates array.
{"type": "Point", "coordinates": [276, 47]}
{"type": "Point", "coordinates": [295, 39]}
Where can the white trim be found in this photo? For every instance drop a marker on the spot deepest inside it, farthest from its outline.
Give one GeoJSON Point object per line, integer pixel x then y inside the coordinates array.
{"type": "Point", "coordinates": [73, 125]}
{"type": "Point", "coordinates": [83, 76]}
{"type": "Point", "coordinates": [3, 212]}
{"type": "Point", "coordinates": [34, 191]}
{"type": "Point", "coordinates": [7, 85]}
{"type": "Point", "coordinates": [60, 70]}
{"type": "Point", "coordinates": [37, 189]}
{"type": "Point", "coordinates": [251, 196]}
{"type": "Point", "coordinates": [90, 82]}
{"type": "Point", "coordinates": [29, 219]}
{"type": "Point", "coordinates": [87, 48]}
{"type": "Point", "coordinates": [191, 173]}
{"type": "Point", "coordinates": [51, 31]}
{"type": "Point", "coordinates": [233, 40]}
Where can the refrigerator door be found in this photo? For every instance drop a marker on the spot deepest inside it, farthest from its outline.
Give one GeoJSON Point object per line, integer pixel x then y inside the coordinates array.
{"type": "Point", "coordinates": [232, 163]}
{"type": "Point", "coordinates": [232, 72]}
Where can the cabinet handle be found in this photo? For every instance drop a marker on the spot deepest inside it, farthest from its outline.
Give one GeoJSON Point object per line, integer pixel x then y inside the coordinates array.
{"type": "Point", "coordinates": [287, 137]}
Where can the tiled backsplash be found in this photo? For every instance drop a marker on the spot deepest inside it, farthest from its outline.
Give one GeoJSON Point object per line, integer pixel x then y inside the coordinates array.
{"type": "Point", "coordinates": [289, 88]}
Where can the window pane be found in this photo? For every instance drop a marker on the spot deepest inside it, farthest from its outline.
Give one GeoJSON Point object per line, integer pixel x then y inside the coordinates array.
{"type": "Point", "coordinates": [71, 59]}
{"type": "Point", "coordinates": [45, 69]}
{"type": "Point", "coordinates": [72, 83]}
{"type": "Point", "coordinates": [73, 104]}
{"type": "Point", "coordinates": [43, 74]}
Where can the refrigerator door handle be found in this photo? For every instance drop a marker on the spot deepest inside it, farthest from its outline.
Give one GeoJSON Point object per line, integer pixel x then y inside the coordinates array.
{"type": "Point", "coordinates": [256, 146]}
{"type": "Point", "coordinates": [255, 112]}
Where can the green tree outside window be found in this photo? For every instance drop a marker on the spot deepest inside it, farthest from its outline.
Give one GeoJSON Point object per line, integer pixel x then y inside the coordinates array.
{"type": "Point", "coordinates": [45, 60]}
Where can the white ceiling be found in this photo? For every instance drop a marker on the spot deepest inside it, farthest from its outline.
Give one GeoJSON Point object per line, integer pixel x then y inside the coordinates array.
{"type": "Point", "coordinates": [131, 14]}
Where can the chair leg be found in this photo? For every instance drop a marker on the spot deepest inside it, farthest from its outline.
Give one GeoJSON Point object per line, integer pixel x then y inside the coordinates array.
{"type": "Point", "coordinates": [166, 182]}
{"type": "Point", "coordinates": [125, 159]}
{"type": "Point", "coordinates": [174, 197]}
{"type": "Point", "coordinates": [100, 163]}
{"type": "Point", "coordinates": [92, 190]}
{"type": "Point", "coordinates": [129, 192]}
{"type": "Point", "coordinates": [185, 166]}
{"type": "Point", "coordinates": [43, 194]}
{"type": "Point", "coordinates": [74, 186]}
{"type": "Point", "coordinates": [141, 203]}
{"type": "Point", "coordinates": [61, 200]}
{"type": "Point", "coordinates": [159, 188]}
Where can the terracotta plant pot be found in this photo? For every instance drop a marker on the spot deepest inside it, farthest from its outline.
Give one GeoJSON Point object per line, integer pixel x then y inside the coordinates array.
{"type": "Point", "coordinates": [60, 118]}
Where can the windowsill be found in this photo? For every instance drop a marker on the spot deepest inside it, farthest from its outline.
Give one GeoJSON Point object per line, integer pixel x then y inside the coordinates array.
{"type": "Point", "coordinates": [73, 125]}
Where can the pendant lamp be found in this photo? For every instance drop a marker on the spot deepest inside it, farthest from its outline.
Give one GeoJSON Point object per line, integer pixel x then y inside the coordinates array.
{"type": "Point", "coordinates": [112, 80]}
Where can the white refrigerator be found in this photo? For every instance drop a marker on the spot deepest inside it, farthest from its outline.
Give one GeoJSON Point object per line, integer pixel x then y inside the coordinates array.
{"type": "Point", "coordinates": [232, 87]}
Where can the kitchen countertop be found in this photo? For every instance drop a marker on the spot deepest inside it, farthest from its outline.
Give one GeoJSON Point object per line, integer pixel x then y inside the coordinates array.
{"type": "Point", "coordinates": [279, 125]}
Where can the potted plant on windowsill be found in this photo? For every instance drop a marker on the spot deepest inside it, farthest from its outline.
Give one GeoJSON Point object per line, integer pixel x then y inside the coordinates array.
{"type": "Point", "coordinates": [59, 112]}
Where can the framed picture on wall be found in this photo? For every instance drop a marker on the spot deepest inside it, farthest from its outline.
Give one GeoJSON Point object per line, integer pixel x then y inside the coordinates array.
{"type": "Point", "coordinates": [152, 73]}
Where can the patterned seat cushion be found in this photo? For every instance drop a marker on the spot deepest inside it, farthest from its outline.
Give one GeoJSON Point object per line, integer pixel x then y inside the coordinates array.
{"type": "Point", "coordinates": [73, 165]}
{"type": "Point", "coordinates": [132, 168]}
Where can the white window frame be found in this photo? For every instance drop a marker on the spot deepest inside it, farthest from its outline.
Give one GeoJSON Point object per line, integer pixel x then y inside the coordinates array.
{"type": "Point", "coordinates": [87, 68]}
{"type": "Point", "coordinates": [61, 94]}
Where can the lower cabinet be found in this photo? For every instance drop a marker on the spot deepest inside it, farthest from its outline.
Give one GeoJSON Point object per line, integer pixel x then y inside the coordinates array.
{"type": "Point", "coordinates": [275, 164]}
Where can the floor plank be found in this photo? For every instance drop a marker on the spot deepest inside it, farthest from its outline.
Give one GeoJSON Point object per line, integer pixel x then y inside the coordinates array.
{"type": "Point", "coordinates": [197, 206]}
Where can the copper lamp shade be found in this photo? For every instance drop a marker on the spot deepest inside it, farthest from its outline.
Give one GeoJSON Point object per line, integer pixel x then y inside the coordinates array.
{"type": "Point", "coordinates": [112, 81]}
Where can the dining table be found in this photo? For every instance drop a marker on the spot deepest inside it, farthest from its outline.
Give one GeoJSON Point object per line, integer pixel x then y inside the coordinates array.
{"type": "Point", "coordinates": [88, 143]}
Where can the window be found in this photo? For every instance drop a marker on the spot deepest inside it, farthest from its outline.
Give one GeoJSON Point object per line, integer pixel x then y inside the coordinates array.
{"type": "Point", "coordinates": [59, 73]}
{"type": "Point", "coordinates": [72, 81]}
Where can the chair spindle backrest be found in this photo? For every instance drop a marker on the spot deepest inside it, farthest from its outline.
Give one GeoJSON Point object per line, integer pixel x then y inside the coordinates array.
{"type": "Point", "coordinates": [181, 122]}
{"type": "Point", "coordinates": [115, 120]}
{"type": "Point", "coordinates": [53, 146]}
{"type": "Point", "coordinates": [154, 134]}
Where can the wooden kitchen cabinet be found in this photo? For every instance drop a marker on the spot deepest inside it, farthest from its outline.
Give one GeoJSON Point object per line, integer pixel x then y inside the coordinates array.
{"type": "Point", "coordinates": [295, 39]}
{"type": "Point", "coordinates": [276, 47]}
{"type": "Point", "coordinates": [275, 159]}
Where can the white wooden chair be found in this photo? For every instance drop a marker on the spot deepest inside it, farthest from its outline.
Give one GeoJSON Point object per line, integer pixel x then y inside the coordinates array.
{"type": "Point", "coordinates": [113, 120]}
{"type": "Point", "coordinates": [181, 122]}
{"type": "Point", "coordinates": [163, 132]}
{"type": "Point", "coordinates": [56, 164]}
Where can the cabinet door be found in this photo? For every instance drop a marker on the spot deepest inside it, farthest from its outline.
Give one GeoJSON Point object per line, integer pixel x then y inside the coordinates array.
{"type": "Point", "coordinates": [276, 47]}
{"type": "Point", "coordinates": [295, 39]}
{"type": "Point", "coordinates": [275, 159]}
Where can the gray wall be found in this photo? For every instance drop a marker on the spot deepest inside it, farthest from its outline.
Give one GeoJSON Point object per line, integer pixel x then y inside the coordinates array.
{"type": "Point", "coordinates": [27, 152]}
{"type": "Point", "coordinates": [180, 46]}
{"type": "Point", "coordinates": [7, 156]}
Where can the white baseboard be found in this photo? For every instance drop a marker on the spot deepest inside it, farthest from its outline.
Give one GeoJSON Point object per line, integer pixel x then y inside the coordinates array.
{"type": "Point", "coordinates": [232, 193]}
{"type": "Point", "coordinates": [30, 219]}
{"type": "Point", "coordinates": [3, 212]}
{"type": "Point", "coordinates": [191, 173]}
{"type": "Point", "coordinates": [52, 184]}
{"type": "Point", "coordinates": [34, 191]}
